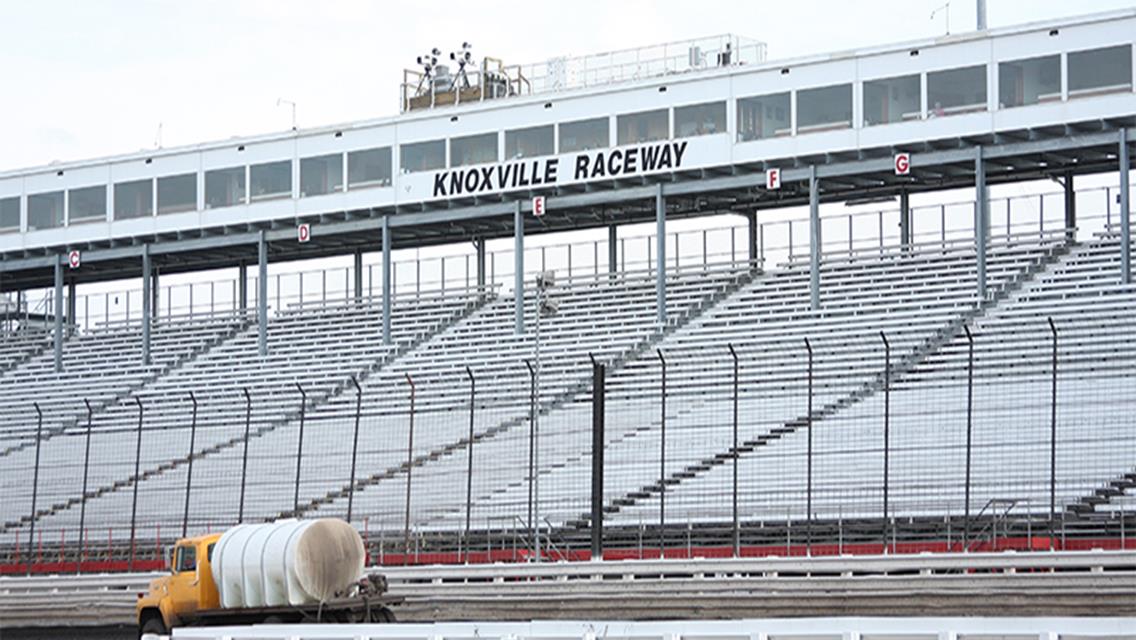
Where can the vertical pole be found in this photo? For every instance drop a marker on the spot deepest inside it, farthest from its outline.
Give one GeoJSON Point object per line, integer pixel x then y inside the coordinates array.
{"type": "Point", "coordinates": [736, 455]}
{"type": "Point", "coordinates": [469, 460]}
{"type": "Point", "coordinates": [154, 291]}
{"type": "Point", "coordinates": [244, 454]}
{"type": "Point", "coordinates": [904, 220]}
{"type": "Point", "coordinates": [1125, 212]}
{"type": "Point", "coordinates": [409, 468]}
{"type": "Point", "coordinates": [355, 447]}
{"type": "Point", "coordinates": [137, 481]}
{"type": "Point", "coordinates": [147, 309]}
{"type": "Point", "coordinates": [597, 458]}
{"type": "Point", "coordinates": [532, 448]}
{"type": "Point", "coordinates": [386, 280]}
{"type": "Point", "coordinates": [661, 254]}
{"type": "Point", "coordinates": [981, 220]}
{"type": "Point", "coordinates": [1070, 205]}
{"type": "Point", "coordinates": [71, 303]}
{"type": "Point", "coordinates": [242, 285]}
{"type": "Point", "coordinates": [809, 455]}
{"type": "Point", "coordinates": [35, 483]}
{"type": "Point", "coordinates": [969, 434]}
{"type": "Point", "coordinates": [262, 294]}
{"type": "Point", "coordinates": [519, 270]}
{"type": "Point", "coordinates": [612, 249]}
{"type": "Point", "coordinates": [662, 453]}
{"type": "Point", "coordinates": [479, 245]}
{"type": "Point", "coordinates": [189, 470]}
{"type": "Point", "coordinates": [300, 448]}
{"type": "Point", "coordinates": [86, 475]}
{"type": "Point", "coordinates": [357, 272]}
{"type": "Point", "coordinates": [1053, 435]}
{"type": "Point", "coordinates": [58, 311]}
{"type": "Point", "coordinates": [887, 432]}
{"type": "Point", "coordinates": [751, 228]}
{"type": "Point", "coordinates": [814, 240]}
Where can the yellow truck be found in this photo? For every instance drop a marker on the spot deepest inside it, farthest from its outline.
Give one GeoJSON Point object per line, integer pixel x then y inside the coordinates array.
{"type": "Point", "coordinates": [280, 572]}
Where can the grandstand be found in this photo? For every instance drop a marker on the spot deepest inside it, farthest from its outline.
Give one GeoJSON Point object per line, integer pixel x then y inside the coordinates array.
{"type": "Point", "coordinates": [909, 384]}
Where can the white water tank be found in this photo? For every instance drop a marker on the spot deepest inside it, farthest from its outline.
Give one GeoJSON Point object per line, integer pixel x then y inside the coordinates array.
{"type": "Point", "coordinates": [289, 562]}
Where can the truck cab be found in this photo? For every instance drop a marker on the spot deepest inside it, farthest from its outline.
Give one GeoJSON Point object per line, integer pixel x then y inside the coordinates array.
{"type": "Point", "coordinates": [175, 599]}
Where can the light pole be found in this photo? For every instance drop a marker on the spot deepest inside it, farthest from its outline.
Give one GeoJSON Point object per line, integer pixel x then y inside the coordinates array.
{"type": "Point", "coordinates": [545, 280]}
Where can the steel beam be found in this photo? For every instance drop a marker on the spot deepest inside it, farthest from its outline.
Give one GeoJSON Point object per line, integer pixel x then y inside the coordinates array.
{"type": "Point", "coordinates": [147, 303]}
{"type": "Point", "coordinates": [1070, 204]}
{"type": "Point", "coordinates": [814, 239]}
{"type": "Point", "coordinates": [482, 275]}
{"type": "Point", "coordinates": [242, 285]}
{"type": "Point", "coordinates": [387, 280]}
{"type": "Point", "coordinates": [358, 273]}
{"type": "Point", "coordinates": [751, 237]}
{"type": "Point", "coordinates": [262, 293]}
{"type": "Point", "coordinates": [1125, 212]}
{"type": "Point", "coordinates": [58, 311]}
{"type": "Point", "coordinates": [660, 254]}
{"type": "Point", "coordinates": [71, 303]}
{"type": "Point", "coordinates": [519, 268]}
{"type": "Point", "coordinates": [981, 220]}
{"type": "Point", "coordinates": [612, 249]}
{"type": "Point", "coordinates": [904, 220]}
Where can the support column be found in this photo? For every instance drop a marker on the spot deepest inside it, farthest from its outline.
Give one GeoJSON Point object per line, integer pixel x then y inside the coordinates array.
{"type": "Point", "coordinates": [814, 239]}
{"type": "Point", "coordinates": [519, 268]}
{"type": "Point", "coordinates": [71, 303]}
{"type": "Point", "coordinates": [58, 313]}
{"type": "Point", "coordinates": [479, 246]}
{"type": "Point", "coordinates": [155, 298]}
{"type": "Point", "coordinates": [386, 280]}
{"type": "Point", "coordinates": [612, 249]}
{"type": "Point", "coordinates": [262, 293]}
{"type": "Point", "coordinates": [1070, 205]}
{"type": "Point", "coordinates": [242, 285]}
{"type": "Point", "coordinates": [358, 273]}
{"type": "Point", "coordinates": [904, 220]}
{"type": "Point", "coordinates": [981, 220]}
{"type": "Point", "coordinates": [751, 239]}
{"type": "Point", "coordinates": [660, 254]}
{"type": "Point", "coordinates": [147, 306]}
{"type": "Point", "coordinates": [1125, 212]}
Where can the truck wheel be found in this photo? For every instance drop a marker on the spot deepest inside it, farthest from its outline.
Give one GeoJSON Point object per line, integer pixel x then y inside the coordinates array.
{"type": "Point", "coordinates": [153, 625]}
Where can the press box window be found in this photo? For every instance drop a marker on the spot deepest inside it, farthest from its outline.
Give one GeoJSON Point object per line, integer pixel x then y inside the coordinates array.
{"type": "Point", "coordinates": [645, 126]}
{"type": "Point", "coordinates": [133, 199]}
{"type": "Point", "coordinates": [224, 187]}
{"type": "Point", "coordinates": [270, 180]}
{"type": "Point", "coordinates": [369, 167]}
{"type": "Point", "coordinates": [86, 204]}
{"type": "Point", "coordinates": [1030, 81]}
{"type": "Point", "coordinates": [423, 156]}
{"type": "Point", "coordinates": [762, 117]}
{"type": "Point", "coordinates": [700, 119]}
{"type": "Point", "coordinates": [9, 214]}
{"type": "Point", "coordinates": [824, 108]}
{"type": "Point", "coordinates": [528, 143]}
{"type": "Point", "coordinates": [477, 149]}
{"type": "Point", "coordinates": [1100, 71]}
{"type": "Point", "coordinates": [956, 91]}
{"type": "Point", "coordinates": [45, 210]}
{"type": "Point", "coordinates": [891, 100]}
{"type": "Point", "coordinates": [582, 135]}
{"type": "Point", "coordinates": [177, 193]}
{"type": "Point", "coordinates": [320, 175]}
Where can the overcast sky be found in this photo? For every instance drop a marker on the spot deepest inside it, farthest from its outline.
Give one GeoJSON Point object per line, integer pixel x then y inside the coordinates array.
{"type": "Point", "coordinates": [84, 78]}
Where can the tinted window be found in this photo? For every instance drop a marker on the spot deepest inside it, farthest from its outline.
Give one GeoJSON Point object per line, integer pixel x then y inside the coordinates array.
{"type": "Point", "coordinates": [956, 91]}
{"type": "Point", "coordinates": [224, 187]}
{"type": "Point", "coordinates": [87, 204]}
{"type": "Point", "coordinates": [270, 180]}
{"type": "Point", "coordinates": [45, 210]}
{"type": "Point", "coordinates": [9, 213]}
{"type": "Point", "coordinates": [473, 149]}
{"type": "Point", "coordinates": [700, 119]}
{"type": "Point", "coordinates": [582, 135]}
{"type": "Point", "coordinates": [1032, 81]}
{"type": "Point", "coordinates": [824, 108]}
{"type": "Point", "coordinates": [891, 100]}
{"type": "Point", "coordinates": [764, 117]}
{"type": "Point", "coordinates": [186, 559]}
{"type": "Point", "coordinates": [1100, 71]}
{"type": "Point", "coordinates": [177, 193]}
{"type": "Point", "coordinates": [423, 156]}
{"type": "Point", "coordinates": [133, 199]}
{"type": "Point", "coordinates": [530, 142]}
{"type": "Point", "coordinates": [645, 126]}
{"type": "Point", "coordinates": [321, 175]}
{"type": "Point", "coordinates": [369, 167]}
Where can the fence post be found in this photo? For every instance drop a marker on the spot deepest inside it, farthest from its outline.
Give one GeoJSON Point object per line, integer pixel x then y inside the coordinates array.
{"type": "Point", "coordinates": [189, 470]}
{"type": "Point", "coordinates": [300, 446]}
{"type": "Point", "coordinates": [83, 496]}
{"type": "Point", "coordinates": [969, 434]}
{"type": "Point", "coordinates": [597, 457]}
{"type": "Point", "coordinates": [409, 468]}
{"type": "Point", "coordinates": [469, 462]}
{"type": "Point", "coordinates": [137, 481]}
{"type": "Point", "coordinates": [532, 448]}
{"type": "Point", "coordinates": [1052, 435]}
{"type": "Point", "coordinates": [809, 455]}
{"type": "Point", "coordinates": [355, 447]}
{"type": "Point", "coordinates": [35, 482]}
{"type": "Point", "coordinates": [887, 431]}
{"type": "Point", "coordinates": [662, 453]}
{"type": "Point", "coordinates": [244, 454]}
{"type": "Point", "coordinates": [734, 490]}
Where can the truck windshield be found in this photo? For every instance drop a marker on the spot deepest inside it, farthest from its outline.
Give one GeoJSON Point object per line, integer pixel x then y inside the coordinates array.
{"type": "Point", "coordinates": [186, 559]}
